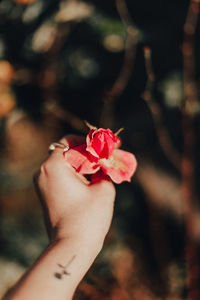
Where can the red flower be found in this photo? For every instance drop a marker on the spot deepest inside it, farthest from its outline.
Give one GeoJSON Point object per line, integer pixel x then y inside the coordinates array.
{"type": "Point", "coordinates": [101, 142]}
{"type": "Point", "coordinates": [99, 154]}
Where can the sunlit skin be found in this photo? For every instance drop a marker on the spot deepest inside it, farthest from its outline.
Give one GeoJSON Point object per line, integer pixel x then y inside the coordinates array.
{"type": "Point", "coordinates": [78, 216]}
{"type": "Point", "coordinates": [57, 179]}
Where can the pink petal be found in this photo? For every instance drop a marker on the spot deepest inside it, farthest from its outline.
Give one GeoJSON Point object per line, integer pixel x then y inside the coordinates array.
{"type": "Point", "coordinates": [95, 145]}
{"type": "Point", "coordinates": [89, 139]}
{"type": "Point", "coordinates": [103, 145]}
{"type": "Point", "coordinates": [120, 166]}
{"type": "Point", "coordinates": [81, 160]}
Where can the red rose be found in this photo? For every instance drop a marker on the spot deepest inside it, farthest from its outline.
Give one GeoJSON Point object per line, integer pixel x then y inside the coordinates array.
{"type": "Point", "coordinates": [99, 156]}
{"type": "Point", "coordinates": [101, 142]}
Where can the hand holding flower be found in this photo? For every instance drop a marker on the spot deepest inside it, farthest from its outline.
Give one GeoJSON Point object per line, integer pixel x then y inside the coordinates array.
{"type": "Point", "coordinates": [99, 152]}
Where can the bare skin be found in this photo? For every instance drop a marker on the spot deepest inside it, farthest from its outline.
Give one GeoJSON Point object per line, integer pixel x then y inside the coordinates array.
{"type": "Point", "coordinates": [78, 216]}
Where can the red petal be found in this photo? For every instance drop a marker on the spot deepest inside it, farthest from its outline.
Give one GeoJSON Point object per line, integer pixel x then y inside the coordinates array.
{"type": "Point", "coordinates": [120, 166]}
{"type": "Point", "coordinates": [81, 161]}
{"type": "Point", "coordinates": [99, 176]}
{"type": "Point", "coordinates": [101, 142]}
{"type": "Point", "coordinates": [89, 140]}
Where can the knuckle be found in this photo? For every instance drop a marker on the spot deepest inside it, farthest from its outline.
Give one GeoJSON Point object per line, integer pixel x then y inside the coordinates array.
{"type": "Point", "coordinates": [50, 167]}
{"type": "Point", "coordinates": [44, 169]}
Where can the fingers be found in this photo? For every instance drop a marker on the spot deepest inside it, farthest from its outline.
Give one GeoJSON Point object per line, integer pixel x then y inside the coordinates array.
{"type": "Point", "coordinates": [103, 183]}
{"type": "Point", "coordinates": [104, 188]}
{"type": "Point", "coordinates": [66, 141]}
{"type": "Point", "coordinates": [56, 164]}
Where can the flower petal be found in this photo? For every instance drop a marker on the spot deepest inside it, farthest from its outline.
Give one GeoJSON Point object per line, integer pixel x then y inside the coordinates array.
{"type": "Point", "coordinates": [81, 160]}
{"type": "Point", "coordinates": [101, 142]}
{"type": "Point", "coordinates": [99, 176]}
{"type": "Point", "coordinates": [120, 166]}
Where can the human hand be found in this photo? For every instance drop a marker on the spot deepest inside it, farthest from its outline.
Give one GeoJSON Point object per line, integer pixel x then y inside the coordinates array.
{"type": "Point", "coordinates": [78, 216]}
{"type": "Point", "coordinates": [73, 207]}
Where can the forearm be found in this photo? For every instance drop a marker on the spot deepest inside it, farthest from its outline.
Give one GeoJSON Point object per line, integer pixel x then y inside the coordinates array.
{"type": "Point", "coordinates": [57, 272]}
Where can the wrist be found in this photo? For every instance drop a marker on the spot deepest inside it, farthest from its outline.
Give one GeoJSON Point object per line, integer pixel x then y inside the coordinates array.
{"type": "Point", "coordinates": [93, 245]}
{"type": "Point", "coordinates": [63, 265]}
{"type": "Point", "coordinates": [82, 253]}
{"type": "Point", "coordinates": [85, 237]}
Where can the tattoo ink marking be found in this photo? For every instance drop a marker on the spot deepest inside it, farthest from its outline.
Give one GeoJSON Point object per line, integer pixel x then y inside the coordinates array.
{"type": "Point", "coordinates": [59, 275]}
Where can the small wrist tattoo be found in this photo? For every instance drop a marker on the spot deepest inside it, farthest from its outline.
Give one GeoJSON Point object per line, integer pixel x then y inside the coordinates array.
{"type": "Point", "coordinates": [63, 271]}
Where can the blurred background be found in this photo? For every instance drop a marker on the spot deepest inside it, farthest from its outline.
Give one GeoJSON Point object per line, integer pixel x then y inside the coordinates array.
{"type": "Point", "coordinates": [131, 64]}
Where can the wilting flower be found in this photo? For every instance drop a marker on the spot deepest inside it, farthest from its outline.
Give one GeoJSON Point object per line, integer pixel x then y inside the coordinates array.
{"type": "Point", "coordinates": [100, 154]}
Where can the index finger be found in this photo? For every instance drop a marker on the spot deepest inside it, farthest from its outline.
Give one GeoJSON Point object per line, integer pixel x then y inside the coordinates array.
{"type": "Point", "coordinates": [57, 158]}
{"type": "Point", "coordinates": [70, 141]}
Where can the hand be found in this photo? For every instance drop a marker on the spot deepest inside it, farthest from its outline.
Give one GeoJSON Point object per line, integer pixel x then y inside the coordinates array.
{"type": "Point", "coordinates": [78, 215]}
{"type": "Point", "coordinates": [73, 207]}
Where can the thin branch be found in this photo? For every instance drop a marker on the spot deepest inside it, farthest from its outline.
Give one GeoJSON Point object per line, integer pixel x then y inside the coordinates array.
{"type": "Point", "coordinates": [66, 116]}
{"type": "Point", "coordinates": [127, 66]}
{"type": "Point", "coordinates": [189, 109]}
{"type": "Point", "coordinates": [162, 133]}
